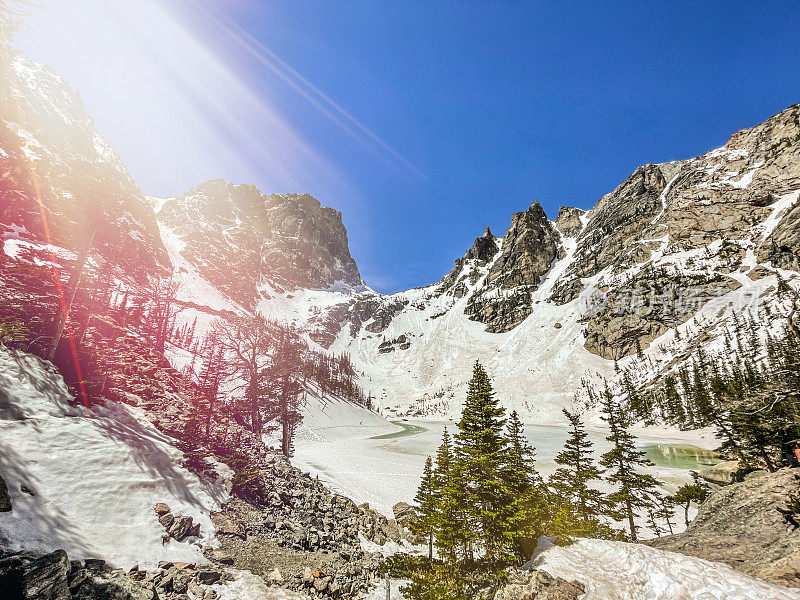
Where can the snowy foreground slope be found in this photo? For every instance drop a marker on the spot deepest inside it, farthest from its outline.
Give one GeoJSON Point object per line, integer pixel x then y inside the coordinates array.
{"type": "Point", "coordinates": [620, 571]}
{"type": "Point", "coordinates": [93, 478]}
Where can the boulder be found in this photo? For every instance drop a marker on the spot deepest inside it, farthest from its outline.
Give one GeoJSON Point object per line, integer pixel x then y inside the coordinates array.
{"type": "Point", "coordinates": [111, 585]}
{"type": "Point", "coordinates": [166, 520]}
{"type": "Point", "coordinates": [224, 525]}
{"type": "Point", "coordinates": [208, 576]}
{"type": "Point", "coordinates": [724, 473]}
{"type": "Point", "coordinates": [221, 556]}
{"type": "Point", "coordinates": [405, 514]}
{"type": "Point", "coordinates": [180, 582]}
{"type": "Point", "coordinates": [741, 524]}
{"type": "Point", "coordinates": [46, 577]}
{"type": "Point", "coordinates": [539, 585]}
{"type": "Point", "coordinates": [12, 574]}
{"type": "Point", "coordinates": [180, 528]}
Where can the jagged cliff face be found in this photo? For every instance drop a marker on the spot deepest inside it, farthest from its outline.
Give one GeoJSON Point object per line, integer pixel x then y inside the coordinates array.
{"type": "Point", "coordinates": [685, 228]}
{"type": "Point", "coordinates": [59, 179]}
{"type": "Point", "coordinates": [252, 246]}
{"type": "Point", "coordinates": [528, 251]}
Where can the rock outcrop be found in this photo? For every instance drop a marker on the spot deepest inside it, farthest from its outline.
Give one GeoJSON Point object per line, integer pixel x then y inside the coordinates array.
{"type": "Point", "coordinates": [740, 525]}
{"type": "Point", "coordinates": [405, 514]}
{"type": "Point", "coordinates": [54, 163]}
{"type": "Point", "coordinates": [309, 535]}
{"type": "Point", "coordinates": [27, 576]}
{"type": "Point", "coordinates": [723, 473]}
{"type": "Point", "coordinates": [569, 221]}
{"type": "Point", "coordinates": [240, 239]}
{"type": "Point", "coordinates": [176, 527]}
{"type": "Point", "coordinates": [618, 219]}
{"type": "Point", "coordinates": [539, 585]}
{"type": "Point", "coordinates": [630, 316]}
{"type": "Point", "coordinates": [484, 248]}
{"type": "Point", "coordinates": [529, 248]}
{"type": "Point", "coordinates": [5, 499]}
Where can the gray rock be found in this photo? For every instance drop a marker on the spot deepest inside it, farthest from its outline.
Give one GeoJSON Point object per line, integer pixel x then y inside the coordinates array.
{"type": "Point", "coordinates": [483, 249]}
{"type": "Point", "coordinates": [529, 248]}
{"type": "Point", "coordinates": [405, 514]}
{"type": "Point", "coordinates": [724, 473]}
{"type": "Point", "coordinates": [568, 220]}
{"type": "Point", "coordinates": [291, 239]}
{"type": "Point", "coordinates": [539, 585]}
{"type": "Point", "coordinates": [208, 577]}
{"type": "Point", "coordinates": [12, 577]}
{"type": "Point", "coordinates": [635, 313]}
{"type": "Point", "coordinates": [565, 291]}
{"type": "Point", "coordinates": [5, 499]}
{"type": "Point", "coordinates": [46, 577]}
{"type": "Point", "coordinates": [741, 525]}
{"type": "Point", "coordinates": [180, 528]}
{"type": "Point", "coordinates": [618, 219]}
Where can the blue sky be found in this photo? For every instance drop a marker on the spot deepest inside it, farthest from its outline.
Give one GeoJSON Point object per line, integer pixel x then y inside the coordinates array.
{"type": "Point", "coordinates": [423, 121]}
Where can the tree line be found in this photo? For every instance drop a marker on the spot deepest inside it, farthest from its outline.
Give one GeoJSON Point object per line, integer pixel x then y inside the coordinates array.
{"type": "Point", "coordinates": [749, 392]}
{"type": "Point", "coordinates": [110, 335]}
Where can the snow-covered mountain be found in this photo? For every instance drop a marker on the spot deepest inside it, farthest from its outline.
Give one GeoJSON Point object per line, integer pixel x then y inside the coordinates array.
{"type": "Point", "coordinates": [658, 264]}
{"type": "Point", "coordinates": [545, 305]}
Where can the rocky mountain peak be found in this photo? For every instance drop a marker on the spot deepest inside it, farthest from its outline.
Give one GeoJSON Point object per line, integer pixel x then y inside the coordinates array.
{"type": "Point", "coordinates": [51, 155]}
{"type": "Point", "coordinates": [529, 248]}
{"type": "Point", "coordinates": [240, 238]}
{"type": "Point", "coordinates": [569, 221]}
{"type": "Point", "coordinates": [483, 249]}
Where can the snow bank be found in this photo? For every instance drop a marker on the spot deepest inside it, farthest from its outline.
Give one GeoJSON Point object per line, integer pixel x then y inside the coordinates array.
{"type": "Point", "coordinates": [635, 572]}
{"type": "Point", "coordinates": [247, 586]}
{"type": "Point", "coordinates": [94, 477]}
{"type": "Point", "coordinates": [379, 591]}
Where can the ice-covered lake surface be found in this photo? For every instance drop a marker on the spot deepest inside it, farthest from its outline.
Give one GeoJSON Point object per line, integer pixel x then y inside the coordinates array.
{"type": "Point", "coordinates": [381, 463]}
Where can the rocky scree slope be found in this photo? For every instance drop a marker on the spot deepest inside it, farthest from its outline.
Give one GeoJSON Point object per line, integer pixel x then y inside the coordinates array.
{"type": "Point", "coordinates": [109, 466]}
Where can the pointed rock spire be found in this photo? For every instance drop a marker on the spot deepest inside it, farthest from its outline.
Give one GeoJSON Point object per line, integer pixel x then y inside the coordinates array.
{"type": "Point", "coordinates": [484, 248]}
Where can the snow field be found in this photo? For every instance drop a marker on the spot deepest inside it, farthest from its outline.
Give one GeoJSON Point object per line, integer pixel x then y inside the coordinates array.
{"type": "Point", "coordinates": [622, 571]}
{"type": "Point", "coordinates": [94, 477]}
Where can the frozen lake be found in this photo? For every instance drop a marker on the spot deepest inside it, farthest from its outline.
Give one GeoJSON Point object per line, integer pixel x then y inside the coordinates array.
{"type": "Point", "coordinates": [382, 466]}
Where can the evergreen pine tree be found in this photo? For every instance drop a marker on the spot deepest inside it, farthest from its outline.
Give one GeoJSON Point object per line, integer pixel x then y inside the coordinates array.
{"type": "Point", "coordinates": [665, 510]}
{"type": "Point", "coordinates": [521, 467]}
{"type": "Point", "coordinates": [450, 526]}
{"type": "Point", "coordinates": [530, 506]}
{"type": "Point", "coordinates": [696, 492]}
{"type": "Point", "coordinates": [426, 501]}
{"type": "Point", "coordinates": [634, 490]}
{"type": "Point", "coordinates": [481, 457]}
{"type": "Point", "coordinates": [570, 482]}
